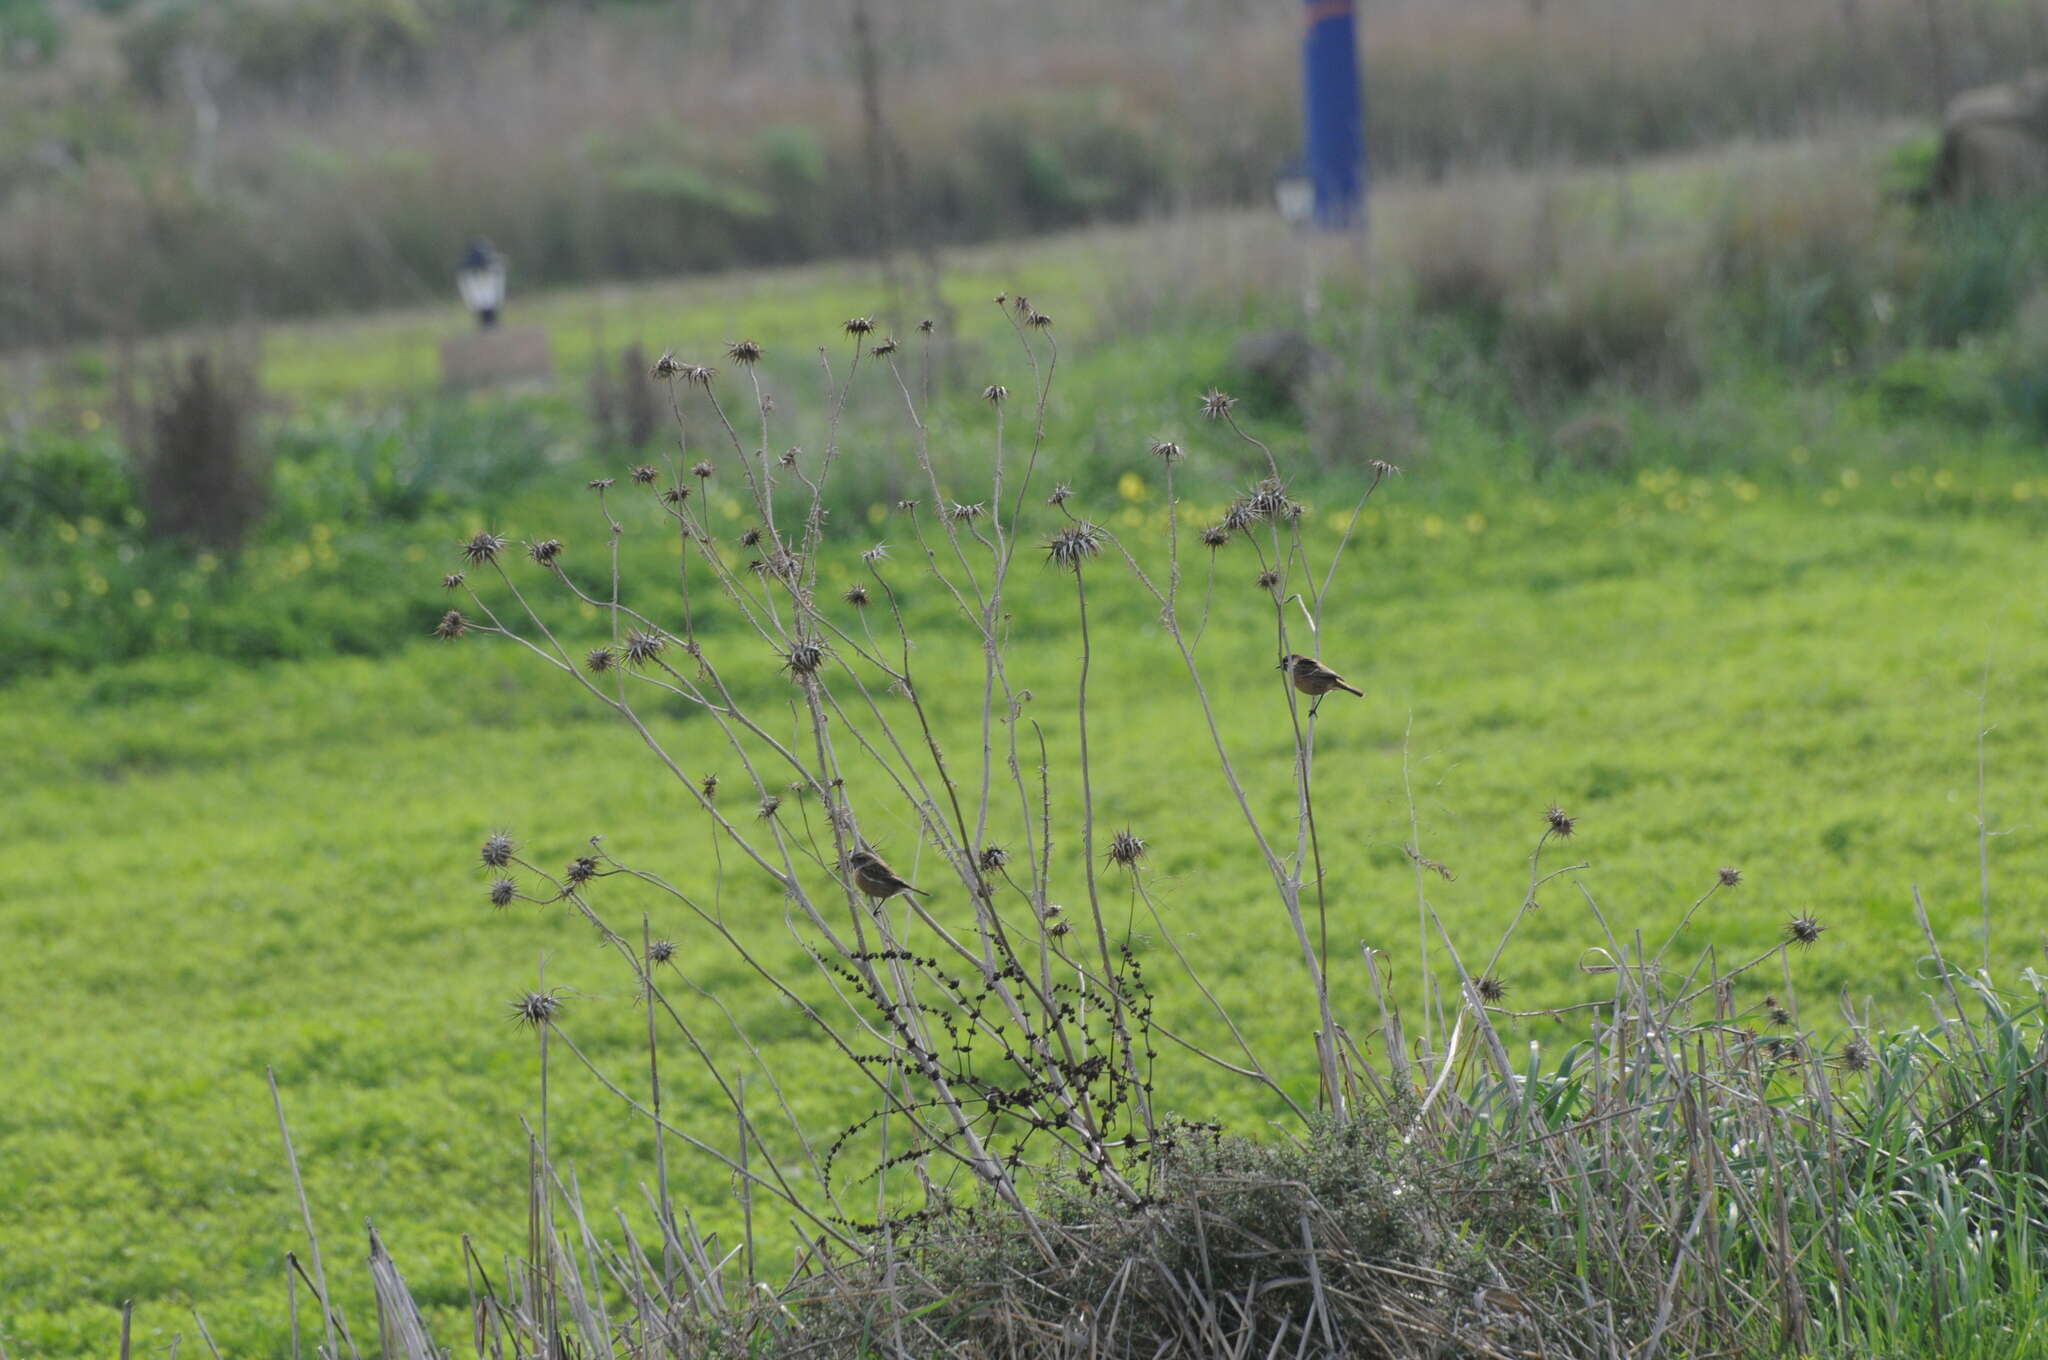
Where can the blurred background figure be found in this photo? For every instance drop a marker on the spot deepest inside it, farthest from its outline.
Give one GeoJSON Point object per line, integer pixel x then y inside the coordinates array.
{"type": "Point", "coordinates": [481, 279]}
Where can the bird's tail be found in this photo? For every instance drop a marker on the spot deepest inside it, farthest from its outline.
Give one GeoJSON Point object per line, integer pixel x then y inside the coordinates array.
{"type": "Point", "coordinates": [1350, 689]}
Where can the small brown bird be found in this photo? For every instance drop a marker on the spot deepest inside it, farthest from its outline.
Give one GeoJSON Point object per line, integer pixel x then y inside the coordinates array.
{"type": "Point", "coordinates": [1315, 679]}
{"type": "Point", "coordinates": [877, 879]}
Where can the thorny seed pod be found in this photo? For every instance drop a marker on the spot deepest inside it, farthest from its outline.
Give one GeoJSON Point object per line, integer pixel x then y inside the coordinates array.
{"type": "Point", "coordinates": [960, 514]}
{"type": "Point", "coordinates": [1166, 451]}
{"type": "Point", "coordinates": [769, 805]}
{"type": "Point", "coordinates": [498, 850]}
{"type": "Point", "coordinates": [1803, 930]}
{"type": "Point", "coordinates": [885, 347]}
{"type": "Point", "coordinates": [907, 506]}
{"type": "Point", "coordinates": [1382, 468]}
{"type": "Point", "coordinates": [666, 367]}
{"type": "Point", "coordinates": [1002, 298]}
{"type": "Point", "coordinates": [750, 538]}
{"type": "Point", "coordinates": [924, 327]}
{"type": "Point", "coordinates": [661, 951]}
{"type": "Point", "coordinates": [856, 595]}
{"type": "Point", "coordinates": [805, 657]}
{"type": "Point", "coordinates": [789, 457]}
{"type": "Point", "coordinates": [1779, 1013]}
{"type": "Point", "coordinates": [743, 352]}
{"type": "Point", "coordinates": [700, 470]}
{"type": "Point", "coordinates": [598, 484]}
{"type": "Point", "coordinates": [1268, 500]}
{"type": "Point", "coordinates": [645, 474]}
{"type": "Point", "coordinates": [1216, 535]}
{"type": "Point", "coordinates": [1269, 579]}
{"type": "Point", "coordinates": [1216, 404]}
{"type": "Point", "coordinates": [710, 787]}
{"type": "Point", "coordinates": [1038, 320]}
{"type": "Point", "coordinates": [536, 1008]}
{"type": "Point", "coordinates": [545, 551]}
{"type": "Point", "coordinates": [995, 394]}
{"type": "Point", "coordinates": [600, 660]}
{"type": "Point", "coordinates": [994, 858]}
{"type": "Point", "coordinates": [1238, 515]}
{"type": "Point", "coordinates": [580, 871]}
{"type": "Point", "coordinates": [1491, 989]}
{"type": "Point", "coordinates": [452, 625]}
{"type": "Point", "coordinates": [1856, 1055]}
{"type": "Point", "coordinates": [1728, 875]}
{"type": "Point", "coordinates": [860, 325]}
{"type": "Point", "coordinates": [503, 890]}
{"type": "Point", "coordinates": [675, 495]}
{"type": "Point", "coordinates": [1058, 926]}
{"type": "Point", "coordinates": [484, 546]}
{"type": "Point", "coordinates": [1072, 546]}
{"type": "Point", "coordinates": [875, 554]}
{"type": "Point", "coordinates": [1061, 494]}
{"type": "Point", "coordinates": [1125, 848]}
{"type": "Point", "coordinates": [642, 648]}
{"type": "Point", "coordinates": [453, 580]}
{"type": "Point", "coordinates": [701, 374]}
{"type": "Point", "coordinates": [1560, 824]}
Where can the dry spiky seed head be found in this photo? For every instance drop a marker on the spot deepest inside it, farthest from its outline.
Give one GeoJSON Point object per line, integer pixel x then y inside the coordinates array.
{"type": "Point", "coordinates": [581, 870]}
{"type": "Point", "coordinates": [856, 595]}
{"type": "Point", "coordinates": [1038, 320]}
{"type": "Point", "coordinates": [805, 657]}
{"type": "Point", "coordinates": [1072, 546]}
{"type": "Point", "coordinates": [1216, 535]}
{"type": "Point", "coordinates": [995, 394]}
{"type": "Point", "coordinates": [1856, 1055]}
{"type": "Point", "coordinates": [451, 626]}
{"type": "Point", "coordinates": [483, 546]}
{"type": "Point", "coordinates": [1382, 468]}
{"type": "Point", "coordinates": [600, 660]}
{"type": "Point", "coordinates": [498, 850]}
{"type": "Point", "coordinates": [1058, 927]}
{"type": "Point", "coordinates": [1216, 404]}
{"type": "Point", "coordinates": [876, 553]}
{"type": "Point", "coordinates": [994, 858]}
{"type": "Point", "coordinates": [645, 474]}
{"type": "Point", "coordinates": [1238, 515]}
{"type": "Point", "coordinates": [666, 367]}
{"type": "Point", "coordinates": [1166, 451]}
{"type": "Point", "coordinates": [1779, 1013]}
{"type": "Point", "coordinates": [924, 327]}
{"type": "Point", "coordinates": [453, 580]}
{"type": "Point", "coordinates": [536, 1008]}
{"type": "Point", "coordinates": [960, 514]}
{"type": "Point", "coordinates": [710, 787]}
{"type": "Point", "coordinates": [642, 648]}
{"type": "Point", "coordinates": [907, 506]}
{"type": "Point", "coordinates": [743, 352]}
{"type": "Point", "coordinates": [598, 484]}
{"type": "Point", "coordinates": [1491, 989]}
{"type": "Point", "coordinates": [661, 951]}
{"type": "Point", "coordinates": [789, 457]}
{"type": "Point", "coordinates": [1125, 848]}
{"type": "Point", "coordinates": [701, 374]}
{"type": "Point", "coordinates": [1061, 494]}
{"type": "Point", "coordinates": [860, 325]}
{"type": "Point", "coordinates": [770, 804]}
{"type": "Point", "coordinates": [503, 890]}
{"type": "Point", "coordinates": [675, 495]}
{"type": "Point", "coordinates": [700, 470]}
{"type": "Point", "coordinates": [885, 347]}
{"type": "Point", "coordinates": [750, 538]}
{"type": "Point", "coordinates": [1269, 579]}
{"type": "Point", "coordinates": [1268, 500]}
{"type": "Point", "coordinates": [1560, 824]}
{"type": "Point", "coordinates": [1002, 298]}
{"type": "Point", "coordinates": [1803, 930]}
{"type": "Point", "coordinates": [1728, 875]}
{"type": "Point", "coordinates": [546, 551]}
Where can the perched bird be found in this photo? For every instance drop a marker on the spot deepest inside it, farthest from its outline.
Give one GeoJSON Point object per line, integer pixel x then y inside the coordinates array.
{"type": "Point", "coordinates": [877, 879]}
{"type": "Point", "coordinates": [1315, 679]}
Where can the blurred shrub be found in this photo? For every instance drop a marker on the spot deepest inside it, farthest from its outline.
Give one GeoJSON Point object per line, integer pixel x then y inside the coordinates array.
{"type": "Point", "coordinates": [1621, 319]}
{"type": "Point", "coordinates": [1979, 261]}
{"type": "Point", "coordinates": [2023, 369]}
{"type": "Point", "coordinates": [49, 480]}
{"type": "Point", "coordinates": [624, 406]}
{"type": "Point", "coordinates": [29, 33]}
{"type": "Point", "coordinates": [1805, 267]}
{"type": "Point", "coordinates": [204, 481]}
{"type": "Point", "coordinates": [301, 47]}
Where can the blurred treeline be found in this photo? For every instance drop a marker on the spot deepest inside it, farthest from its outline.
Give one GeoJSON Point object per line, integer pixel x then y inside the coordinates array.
{"type": "Point", "coordinates": [172, 161]}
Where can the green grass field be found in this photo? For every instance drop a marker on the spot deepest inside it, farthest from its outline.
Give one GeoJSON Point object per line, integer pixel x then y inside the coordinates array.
{"type": "Point", "coordinates": [1773, 645]}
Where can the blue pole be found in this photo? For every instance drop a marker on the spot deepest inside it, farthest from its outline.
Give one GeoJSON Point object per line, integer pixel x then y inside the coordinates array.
{"type": "Point", "coordinates": [1334, 110]}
